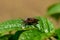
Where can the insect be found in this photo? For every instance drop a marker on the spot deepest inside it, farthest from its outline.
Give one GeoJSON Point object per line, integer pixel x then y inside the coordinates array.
{"type": "Point", "coordinates": [41, 23]}
{"type": "Point", "coordinates": [31, 21]}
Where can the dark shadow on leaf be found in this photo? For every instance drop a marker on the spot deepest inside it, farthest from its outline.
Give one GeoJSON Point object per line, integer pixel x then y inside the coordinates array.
{"type": "Point", "coordinates": [55, 16]}
{"type": "Point", "coordinates": [16, 35]}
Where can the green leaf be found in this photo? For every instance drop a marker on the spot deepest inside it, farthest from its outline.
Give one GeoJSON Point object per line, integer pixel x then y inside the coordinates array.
{"type": "Point", "coordinates": [5, 37]}
{"type": "Point", "coordinates": [54, 11]}
{"type": "Point", "coordinates": [32, 35]}
{"type": "Point", "coordinates": [44, 25]}
{"type": "Point", "coordinates": [57, 32]}
{"type": "Point", "coordinates": [55, 8]}
{"type": "Point", "coordinates": [16, 35]}
{"type": "Point", "coordinates": [11, 25]}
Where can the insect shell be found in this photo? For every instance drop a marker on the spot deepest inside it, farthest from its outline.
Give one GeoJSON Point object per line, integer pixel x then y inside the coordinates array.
{"type": "Point", "coordinates": [30, 21]}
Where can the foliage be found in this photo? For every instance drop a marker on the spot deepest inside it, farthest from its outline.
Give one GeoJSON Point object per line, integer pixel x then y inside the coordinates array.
{"type": "Point", "coordinates": [42, 30]}
{"type": "Point", "coordinates": [54, 11]}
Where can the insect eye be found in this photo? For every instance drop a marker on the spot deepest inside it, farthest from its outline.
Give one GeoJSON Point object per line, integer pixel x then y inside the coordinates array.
{"type": "Point", "coordinates": [31, 21]}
